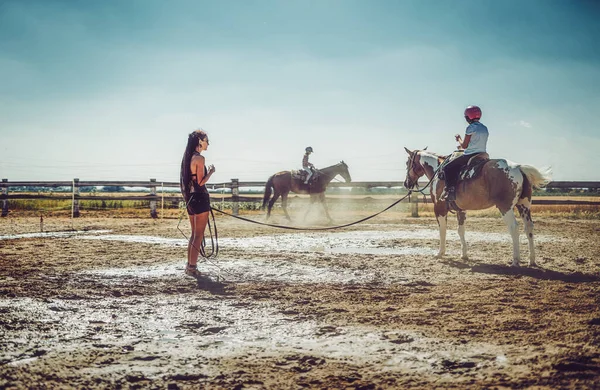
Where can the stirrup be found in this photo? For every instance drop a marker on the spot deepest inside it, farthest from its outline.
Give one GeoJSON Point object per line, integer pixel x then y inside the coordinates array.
{"type": "Point", "coordinates": [450, 200]}
{"type": "Point", "coordinates": [448, 194]}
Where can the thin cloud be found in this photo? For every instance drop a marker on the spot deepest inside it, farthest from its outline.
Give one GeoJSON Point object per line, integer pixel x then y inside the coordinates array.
{"type": "Point", "coordinates": [522, 123]}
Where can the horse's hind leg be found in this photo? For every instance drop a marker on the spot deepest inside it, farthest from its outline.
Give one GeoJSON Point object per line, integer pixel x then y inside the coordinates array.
{"type": "Point", "coordinates": [524, 207]}
{"type": "Point", "coordinates": [284, 198]}
{"type": "Point", "coordinates": [272, 202]}
{"type": "Point", "coordinates": [513, 229]}
{"type": "Point", "coordinates": [462, 216]}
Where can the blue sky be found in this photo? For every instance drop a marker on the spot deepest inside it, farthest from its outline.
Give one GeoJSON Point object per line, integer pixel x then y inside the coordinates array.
{"type": "Point", "coordinates": [109, 90]}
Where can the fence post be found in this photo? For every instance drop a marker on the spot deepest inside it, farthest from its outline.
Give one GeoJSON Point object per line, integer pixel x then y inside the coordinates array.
{"type": "Point", "coordinates": [5, 201]}
{"type": "Point", "coordinates": [414, 206]}
{"type": "Point", "coordinates": [162, 200]}
{"type": "Point", "coordinates": [235, 196]}
{"type": "Point", "coordinates": [75, 204]}
{"type": "Point", "coordinates": [223, 198]}
{"type": "Point", "coordinates": [153, 213]}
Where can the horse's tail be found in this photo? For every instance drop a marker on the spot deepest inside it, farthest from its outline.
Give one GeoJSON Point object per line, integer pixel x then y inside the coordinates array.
{"type": "Point", "coordinates": [268, 187]}
{"type": "Point", "coordinates": [537, 178]}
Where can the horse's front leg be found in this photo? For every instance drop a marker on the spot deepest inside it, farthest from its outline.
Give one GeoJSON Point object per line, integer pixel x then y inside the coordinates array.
{"type": "Point", "coordinates": [442, 219]}
{"type": "Point", "coordinates": [284, 199]}
{"type": "Point", "coordinates": [462, 216]}
{"type": "Point", "coordinates": [310, 205]}
{"type": "Point", "coordinates": [513, 229]}
{"type": "Point", "coordinates": [322, 200]}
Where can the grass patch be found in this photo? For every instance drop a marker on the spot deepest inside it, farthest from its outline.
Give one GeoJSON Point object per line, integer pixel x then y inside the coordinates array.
{"type": "Point", "coordinates": [336, 205]}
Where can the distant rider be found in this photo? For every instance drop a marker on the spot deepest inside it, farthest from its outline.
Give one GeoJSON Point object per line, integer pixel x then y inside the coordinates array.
{"type": "Point", "coordinates": [475, 141]}
{"type": "Point", "coordinates": [307, 166]}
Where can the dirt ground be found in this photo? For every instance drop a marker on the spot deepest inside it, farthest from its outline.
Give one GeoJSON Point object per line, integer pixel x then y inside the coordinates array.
{"type": "Point", "coordinates": [104, 303]}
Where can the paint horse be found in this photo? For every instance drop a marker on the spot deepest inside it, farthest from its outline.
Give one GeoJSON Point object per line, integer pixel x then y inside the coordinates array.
{"type": "Point", "coordinates": [498, 183]}
{"type": "Point", "coordinates": [284, 182]}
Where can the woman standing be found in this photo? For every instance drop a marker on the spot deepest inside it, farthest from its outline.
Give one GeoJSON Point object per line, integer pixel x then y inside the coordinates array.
{"type": "Point", "coordinates": [193, 177]}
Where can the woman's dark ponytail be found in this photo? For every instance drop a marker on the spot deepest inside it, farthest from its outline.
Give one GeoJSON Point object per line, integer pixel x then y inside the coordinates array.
{"type": "Point", "coordinates": [185, 176]}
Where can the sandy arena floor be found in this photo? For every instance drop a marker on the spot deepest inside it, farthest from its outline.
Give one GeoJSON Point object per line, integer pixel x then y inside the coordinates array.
{"type": "Point", "coordinates": [104, 303]}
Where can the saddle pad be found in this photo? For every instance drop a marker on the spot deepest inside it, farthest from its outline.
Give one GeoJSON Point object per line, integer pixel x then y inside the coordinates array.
{"type": "Point", "coordinates": [298, 173]}
{"type": "Point", "coordinates": [472, 170]}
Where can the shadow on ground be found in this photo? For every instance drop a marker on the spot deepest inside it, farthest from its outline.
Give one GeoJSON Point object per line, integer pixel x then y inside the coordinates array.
{"type": "Point", "coordinates": [215, 287]}
{"type": "Point", "coordinates": [537, 273]}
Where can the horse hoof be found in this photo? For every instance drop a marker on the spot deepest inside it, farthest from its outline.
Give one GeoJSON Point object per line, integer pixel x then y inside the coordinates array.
{"type": "Point", "coordinates": [516, 265]}
{"type": "Point", "coordinates": [464, 258]}
{"type": "Point", "coordinates": [438, 256]}
{"type": "Point", "coordinates": [533, 264]}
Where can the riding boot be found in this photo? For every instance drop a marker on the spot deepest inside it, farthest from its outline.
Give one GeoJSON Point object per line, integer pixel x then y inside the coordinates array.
{"type": "Point", "coordinates": [448, 194]}
{"type": "Point", "coordinates": [451, 197]}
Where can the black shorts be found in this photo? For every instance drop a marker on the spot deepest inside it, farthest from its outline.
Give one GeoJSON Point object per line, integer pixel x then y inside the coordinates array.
{"type": "Point", "coordinates": [199, 203]}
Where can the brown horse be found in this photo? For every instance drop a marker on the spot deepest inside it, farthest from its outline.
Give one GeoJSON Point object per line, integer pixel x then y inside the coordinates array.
{"type": "Point", "coordinates": [499, 183]}
{"type": "Point", "coordinates": [283, 182]}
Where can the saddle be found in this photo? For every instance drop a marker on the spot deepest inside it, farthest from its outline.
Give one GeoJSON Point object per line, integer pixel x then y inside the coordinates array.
{"type": "Point", "coordinates": [468, 171]}
{"type": "Point", "coordinates": [473, 167]}
{"type": "Point", "coordinates": [301, 174]}
{"type": "Point", "coordinates": [448, 159]}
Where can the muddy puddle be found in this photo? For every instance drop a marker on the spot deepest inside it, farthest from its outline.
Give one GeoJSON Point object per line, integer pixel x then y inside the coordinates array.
{"type": "Point", "coordinates": [256, 270]}
{"type": "Point", "coordinates": [374, 242]}
{"type": "Point", "coordinates": [62, 234]}
{"type": "Point", "coordinates": [147, 329]}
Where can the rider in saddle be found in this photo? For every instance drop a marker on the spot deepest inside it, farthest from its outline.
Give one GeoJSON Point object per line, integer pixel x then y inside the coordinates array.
{"type": "Point", "coordinates": [308, 167]}
{"type": "Point", "coordinates": [475, 142]}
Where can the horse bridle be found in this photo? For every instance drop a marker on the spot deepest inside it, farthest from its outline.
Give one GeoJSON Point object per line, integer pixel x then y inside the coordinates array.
{"type": "Point", "coordinates": [410, 167]}
{"type": "Point", "coordinates": [335, 176]}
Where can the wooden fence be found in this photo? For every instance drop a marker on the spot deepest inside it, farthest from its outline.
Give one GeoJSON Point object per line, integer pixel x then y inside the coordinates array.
{"type": "Point", "coordinates": [233, 186]}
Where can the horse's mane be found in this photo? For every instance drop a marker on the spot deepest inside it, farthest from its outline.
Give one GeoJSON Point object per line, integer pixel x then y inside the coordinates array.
{"type": "Point", "coordinates": [341, 163]}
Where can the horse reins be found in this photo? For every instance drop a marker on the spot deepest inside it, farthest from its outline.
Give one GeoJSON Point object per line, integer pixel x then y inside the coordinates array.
{"type": "Point", "coordinates": [214, 239]}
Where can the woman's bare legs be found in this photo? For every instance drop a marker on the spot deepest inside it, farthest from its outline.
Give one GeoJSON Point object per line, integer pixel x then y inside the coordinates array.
{"type": "Point", "coordinates": [198, 223]}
